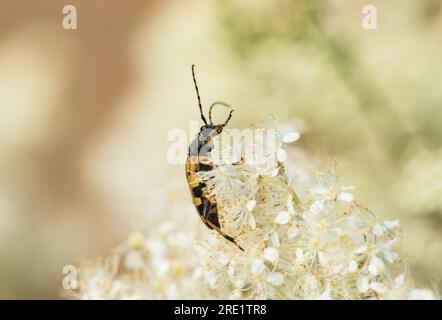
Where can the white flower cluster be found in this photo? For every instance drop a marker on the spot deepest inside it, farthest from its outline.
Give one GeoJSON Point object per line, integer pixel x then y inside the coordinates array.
{"type": "Point", "coordinates": [158, 267]}
{"type": "Point", "coordinates": [303, 238]}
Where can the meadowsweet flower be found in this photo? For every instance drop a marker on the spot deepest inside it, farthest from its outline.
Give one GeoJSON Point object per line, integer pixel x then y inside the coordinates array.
{"type": "Point", "coordinates": [308, 240]}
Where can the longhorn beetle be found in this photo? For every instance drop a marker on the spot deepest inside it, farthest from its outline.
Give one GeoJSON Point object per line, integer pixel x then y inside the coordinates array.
{"type": "Point", "coordinates": [198, 160]}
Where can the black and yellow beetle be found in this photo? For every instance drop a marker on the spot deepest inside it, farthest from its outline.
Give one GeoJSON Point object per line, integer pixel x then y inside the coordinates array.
{"type": "Point", "coordinates": [198, 161]}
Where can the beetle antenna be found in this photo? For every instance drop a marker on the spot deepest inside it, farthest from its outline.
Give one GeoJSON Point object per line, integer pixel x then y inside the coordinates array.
{"type": "Point", "coordinates": [229, 117]}
{"type": "Point", "coordinates": [198, 95]}
{"type": "Point", "coordinates": [214, 104]}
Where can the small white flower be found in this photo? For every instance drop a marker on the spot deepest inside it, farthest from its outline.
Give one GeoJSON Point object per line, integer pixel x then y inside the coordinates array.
{"type": "Point", "coordinates": [275, 278]}
{"type": "Point", "coordinates": [381, 228]}
{"type": "Point", "coordinates": [345, 197]}
{"type": "Point", "coordinates": [136, 240]}
{"type": "Point", "coordinates": [257, 267]}
{"type": "Point", "coordinates": [281, 155]}
{"type": "Point", "coordinates": [283, 217]}
{"type": "Point", "coordinates": [291, 137]}
{"type": "Point", "coordinates": [271, 254]}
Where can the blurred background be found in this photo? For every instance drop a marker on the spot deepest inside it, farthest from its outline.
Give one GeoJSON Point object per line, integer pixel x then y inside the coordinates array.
{"type": "Point", "coordinates": [84, 114]}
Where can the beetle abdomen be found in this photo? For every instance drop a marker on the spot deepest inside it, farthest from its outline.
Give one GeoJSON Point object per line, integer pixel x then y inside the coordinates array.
{"type": "Point", "coordinates": [206, 207]}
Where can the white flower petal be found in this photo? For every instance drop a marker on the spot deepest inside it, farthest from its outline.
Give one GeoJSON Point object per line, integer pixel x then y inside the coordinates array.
{"type": "Point", "coordinates": [161, 266]}
{"type": "Point", "coordinates": [316, 207]}
{"type": "Point", "coordinates": [379, 230]}
{"type": "Point", "coordinates": [252, 222]}
{"type": "Point", "coordinates": [257, 267]}
{"type": "Point", "coordinates": [251, 205]}
{"type": "Point", "coordinates": [197, 273]}
{"type": "Point", "coordinates": [360, 250]}
{"type": "Point", "coordinates": [376, 266]}
{"type": "Point", "coordinates": [283, 217]}
{"type": "Point", "coordinates": [345, 197]}
{"type": "Point", "coordinates": [352, 266]}
{"type": "Point", "coordinates": [156, 247]}
{"type": "Point", "coordinates": [384, 226]}
{"type": "Point", "coordinates": [275, 240]}
{"type": "Point", "coordinates": [292, 232]}
{"type": "Point", "coordinates": [390, 255]}
{"type": "Point", "coordinates": [363, 284]}
{"type": "Point", "coordinates": [134, 260]}
{"type": "Point", "coordinates": [275, 278]}
{"type": "Point", "coordinates": [399, 280]}
{"type": "Point", "coordinates": [291, 137]}
{"type": "Point", "coordinates": [392, 224]}
{"type": "Point", "coordinates": [271, 254]}
{"type": "Point", "coordinates": [274, 172]}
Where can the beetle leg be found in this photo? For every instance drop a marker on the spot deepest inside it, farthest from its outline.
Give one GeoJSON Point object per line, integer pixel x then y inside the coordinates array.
{"type": "Point", "coordinates": [240, 162]}
{"type": "Point", "coordinates": [211, 225]}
